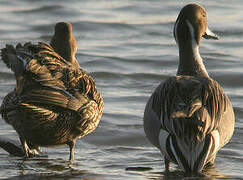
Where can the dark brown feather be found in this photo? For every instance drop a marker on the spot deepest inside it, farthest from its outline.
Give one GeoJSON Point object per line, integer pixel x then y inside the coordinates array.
{"type": "Point", "coordinates": [59, 101]}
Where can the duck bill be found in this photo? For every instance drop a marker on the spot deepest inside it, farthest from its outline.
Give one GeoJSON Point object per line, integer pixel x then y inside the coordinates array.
{"type": "Point", "coordinates": [210, 35]}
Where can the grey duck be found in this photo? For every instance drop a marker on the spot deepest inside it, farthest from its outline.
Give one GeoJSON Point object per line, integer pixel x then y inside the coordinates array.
{"type": "Point", "coordinates": [189, 118]}
{"type": "Point", "coordinates": [55, 101]}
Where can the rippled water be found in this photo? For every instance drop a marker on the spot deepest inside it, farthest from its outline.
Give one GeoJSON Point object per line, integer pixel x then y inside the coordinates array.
{"type": "Point", "coordinates": [128, 47]}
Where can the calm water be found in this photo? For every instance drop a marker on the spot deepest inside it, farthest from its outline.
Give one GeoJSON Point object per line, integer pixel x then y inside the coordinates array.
{"type": "Point", "coordinates": [128, 47]}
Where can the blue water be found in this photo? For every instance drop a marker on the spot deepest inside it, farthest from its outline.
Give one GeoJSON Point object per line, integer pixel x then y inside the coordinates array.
{"type": "Point", "coordinates": [128, 47]}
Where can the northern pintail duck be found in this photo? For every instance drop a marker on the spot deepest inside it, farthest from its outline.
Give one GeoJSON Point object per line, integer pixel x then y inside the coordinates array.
{"type": "Point", "coordinates": [55, 101]}
{"type": "Point", "coordinates": [189, 117]}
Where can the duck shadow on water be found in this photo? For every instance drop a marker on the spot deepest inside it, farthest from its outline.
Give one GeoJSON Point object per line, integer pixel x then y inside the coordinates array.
{"type": "Point", "coordinates": [208, 173]}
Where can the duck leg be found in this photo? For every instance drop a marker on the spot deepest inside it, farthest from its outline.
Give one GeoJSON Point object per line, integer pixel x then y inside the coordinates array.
{"type": "Point", "coordinates": [16, 149]}
{"type": "Point", "coordinates": [27, 151]}
{"type": "Point", "coordinates": [71, 145]}
{"type": "Point", "coordinates": [25, 146]}
{"type": "Point", "coordinates": [34, 148]}
{"type": "Point", "coordinates": [167, 164]}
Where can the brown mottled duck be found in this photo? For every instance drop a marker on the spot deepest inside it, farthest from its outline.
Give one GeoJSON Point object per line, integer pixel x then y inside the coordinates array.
{"type": "Point", "coordinates": [55, 101]}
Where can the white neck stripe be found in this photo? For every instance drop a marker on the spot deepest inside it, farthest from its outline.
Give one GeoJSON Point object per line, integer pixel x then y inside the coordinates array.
{"type": "Point", "coordinates": [195, 47]}
{"type": "Point", "coordinates": [175, 30]}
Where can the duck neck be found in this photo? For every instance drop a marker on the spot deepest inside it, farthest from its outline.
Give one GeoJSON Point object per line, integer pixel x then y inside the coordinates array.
{"type": "Point", "coordinates": [190, 62]}
{"type": "Point", "coordinates": [66, 47]}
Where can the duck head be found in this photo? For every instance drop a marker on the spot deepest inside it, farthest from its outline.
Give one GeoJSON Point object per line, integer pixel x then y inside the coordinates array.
{"type": "Point", "coordinates": [191, 24]}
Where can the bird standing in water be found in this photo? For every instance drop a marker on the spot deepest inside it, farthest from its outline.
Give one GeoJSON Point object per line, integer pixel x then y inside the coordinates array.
{"type": "Point", "coordinates": [189, 117]}
{"type": "Point", "coordinates": [55, 101]}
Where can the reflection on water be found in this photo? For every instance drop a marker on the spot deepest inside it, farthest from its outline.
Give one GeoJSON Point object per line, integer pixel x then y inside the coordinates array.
{"type": "Point", "coordinates": [209, 173]}
{"type": "Point", "coordinates": [54, 171]}
{"type": "Point", "coordinates": [128, 47]}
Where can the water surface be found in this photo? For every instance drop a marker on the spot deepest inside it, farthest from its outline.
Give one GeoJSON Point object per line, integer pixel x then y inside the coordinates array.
{"type": "Point", "coordinates": [128, 48]}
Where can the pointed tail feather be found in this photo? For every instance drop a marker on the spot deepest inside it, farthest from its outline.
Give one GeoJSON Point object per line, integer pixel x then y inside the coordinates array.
{"type": "Point", "coordinates": [10, 58]}
{"type": "Point", "coordinates": [190, 159]}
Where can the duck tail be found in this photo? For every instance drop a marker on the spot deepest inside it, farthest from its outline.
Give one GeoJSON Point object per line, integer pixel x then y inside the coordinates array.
{"type": "Point", "coordinates": [190, 140]}
{"type": "Point", "coordinates": [190, 157]}
{"type": "Point", "coordinates": [10, 58]}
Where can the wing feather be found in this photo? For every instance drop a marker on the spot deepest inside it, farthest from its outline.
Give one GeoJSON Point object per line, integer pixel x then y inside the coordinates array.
{"type": "Point", "coordinates": [54, 97]}
{"type": "Point", "coordinates": [211, 94]}
{"type": "Point", "coordinates": [189, 110]}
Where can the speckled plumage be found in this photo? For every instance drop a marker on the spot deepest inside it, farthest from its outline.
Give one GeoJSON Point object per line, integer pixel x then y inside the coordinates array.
{"type": "Point", "coordinates": [54, 102]}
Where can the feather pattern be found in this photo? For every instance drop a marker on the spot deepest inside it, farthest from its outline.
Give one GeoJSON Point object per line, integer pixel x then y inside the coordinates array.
{"type": "Point", "coordinates": [189, 117]}
{"type": "Point", "coordinates": [54, 102]}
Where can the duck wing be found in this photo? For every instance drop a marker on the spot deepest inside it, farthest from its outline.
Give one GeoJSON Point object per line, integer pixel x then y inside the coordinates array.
{"type": "Point", "coordinates": [47, 78]}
